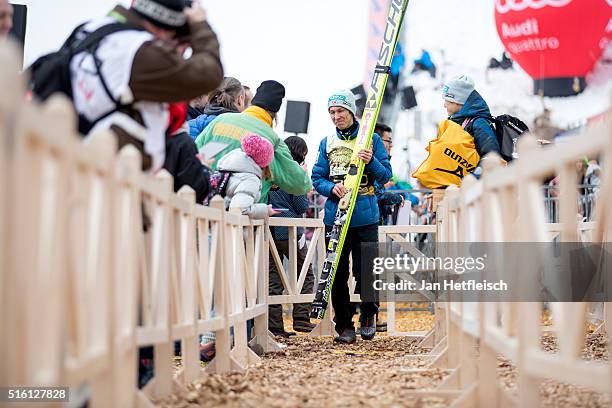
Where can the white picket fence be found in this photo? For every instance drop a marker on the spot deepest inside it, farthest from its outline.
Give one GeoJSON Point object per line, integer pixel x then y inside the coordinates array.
{"type": "Point", "coordinates": [98, 260]}
{"type": "Point", "coordinates": [507, 206]}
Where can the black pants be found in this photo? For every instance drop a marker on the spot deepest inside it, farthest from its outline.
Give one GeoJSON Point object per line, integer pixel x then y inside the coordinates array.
{"type": "Point", "coordinates": [341, 298]}
{"type": "Point", "coordinates": [301, 311]}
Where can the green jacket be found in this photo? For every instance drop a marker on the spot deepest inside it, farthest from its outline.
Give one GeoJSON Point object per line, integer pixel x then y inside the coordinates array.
{"type": "Point", "coordinates": [230, 128]}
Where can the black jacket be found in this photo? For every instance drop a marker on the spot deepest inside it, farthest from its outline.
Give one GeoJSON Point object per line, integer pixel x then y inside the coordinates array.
{"type": "Point", "coordinates": [185, 167]}
{"type": "Point", "coordinates": [193, 112]}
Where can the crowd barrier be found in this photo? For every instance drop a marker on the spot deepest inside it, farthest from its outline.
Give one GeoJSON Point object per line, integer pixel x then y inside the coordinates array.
{"type": "Point", "coordinates": [292, 278]}
{"type": "Point", "coordinates": [406, 235]}
{"type": "Point", "coordinates": [507, 206]}
{"type": "Point", "coordinates": [99, 260]}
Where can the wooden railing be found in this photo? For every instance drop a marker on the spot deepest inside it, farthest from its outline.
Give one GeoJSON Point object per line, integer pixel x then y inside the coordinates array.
{"type": "Point", "coordinates": [506, 206]}
{"type": "Point", "coordinates": [99, 260]}
{"type": "Point", "coordinates": [405, 236]}
{"type": "Point", "coordinates": [292, 277]}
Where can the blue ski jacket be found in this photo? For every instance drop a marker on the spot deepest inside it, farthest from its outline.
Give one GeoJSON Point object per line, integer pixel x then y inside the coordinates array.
{"type": "Point", "coordinates": [297, 206]}
{"type": "Point", "coordinates": [481, 128]}
{"type": "Point", "coordinates": [366, 207]}
{"type": "Point", "coordinates": [425, 60]}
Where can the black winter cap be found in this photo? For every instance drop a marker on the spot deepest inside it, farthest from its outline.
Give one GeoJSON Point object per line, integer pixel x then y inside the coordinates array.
{"type": "Point", "coordinates": [166, 14]}
{"type": "Point", "coordinates": [269, 96]}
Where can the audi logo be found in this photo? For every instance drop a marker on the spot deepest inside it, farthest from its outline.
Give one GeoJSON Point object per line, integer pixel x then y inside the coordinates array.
{"type": "Point", "coordinates": [504, 6]}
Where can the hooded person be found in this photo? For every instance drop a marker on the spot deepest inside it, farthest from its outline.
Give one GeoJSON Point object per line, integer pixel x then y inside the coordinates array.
{"type": "Point", "coordinates": [467, 108]}
{"type": "Point", "coordinates": [182, 160]}
{"type": "Point", "coordinates": [196, 107]}
{"type": "Point", "coordinates": [125, 85]}
{"type": "Point", "coordinates": [230, 97]}
{"type": "Point", "coordinates": [226, 132]}
{"type": "Point", "coordinates": [328, 174]}
{"type": "Point", "coordinates": [248, 167]}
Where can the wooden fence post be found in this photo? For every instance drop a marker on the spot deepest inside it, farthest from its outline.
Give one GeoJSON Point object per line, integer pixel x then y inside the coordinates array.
{"type": "Point", "coordinates": [487, 391]}
{"type": "Point", "coordinates": [125, 277]}
{"type": "Point", "coordinates": [11, 85]}
{"type": "Point", "coordinates": [162, 294]}
{"type": "Point", "coordinates": [190, 351]}
{"type": "Point", "coordinates": [529, 227]}
{"type": "Point", "coordinates": [221, 362]}
{"type": "Point", "coordinates": [262, 336]}
{"type": "Point", "coordinates": [99, 266]}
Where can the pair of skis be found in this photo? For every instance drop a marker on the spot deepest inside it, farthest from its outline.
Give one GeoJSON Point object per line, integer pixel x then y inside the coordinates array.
{"type": "Point", "coordinates": [395, 18]}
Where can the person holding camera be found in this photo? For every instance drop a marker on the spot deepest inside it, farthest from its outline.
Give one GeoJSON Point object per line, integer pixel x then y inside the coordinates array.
{"type": "Point", "coordinates": [125, 81]}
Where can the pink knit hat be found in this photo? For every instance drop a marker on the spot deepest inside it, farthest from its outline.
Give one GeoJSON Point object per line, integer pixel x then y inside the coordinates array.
{"type": "Point", "coordinates": [259, 149]}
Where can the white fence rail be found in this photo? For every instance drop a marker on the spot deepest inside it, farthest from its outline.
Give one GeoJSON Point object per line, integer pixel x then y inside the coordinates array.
{"type": "Point", "coordinates": [506, 206]}
{"type": "Point", "coordinates": [99, 260]}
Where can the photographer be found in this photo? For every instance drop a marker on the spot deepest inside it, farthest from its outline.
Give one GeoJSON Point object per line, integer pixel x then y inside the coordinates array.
{"type": "Point", "coordinates": [125, 81]}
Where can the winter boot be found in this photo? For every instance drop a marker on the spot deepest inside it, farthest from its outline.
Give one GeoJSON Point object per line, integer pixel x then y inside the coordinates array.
{"type": "Point", "coordinates": [368, 327]}
{"type": "Point", "coordinates": [281, 333]}
{"type": "Point", "coordinates": [303, 325]}
{"type": "Point", "coordinates": [347, 336]}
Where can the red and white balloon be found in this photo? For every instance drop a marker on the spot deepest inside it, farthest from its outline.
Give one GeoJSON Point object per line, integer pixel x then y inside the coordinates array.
{"type": "Point", "coordinates": [554, 38]}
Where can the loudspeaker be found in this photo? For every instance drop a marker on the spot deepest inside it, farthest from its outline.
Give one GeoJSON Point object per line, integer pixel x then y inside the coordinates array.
{"type": "Point", "coordinates": [297, 117]}
{"type": "Point", "coordinates": [408, 98]}
{"type": "Point", "coordinates": [18, 32]}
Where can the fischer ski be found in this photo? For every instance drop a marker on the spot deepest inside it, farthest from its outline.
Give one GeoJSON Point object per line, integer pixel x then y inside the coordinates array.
{"type": "Point", "coordinates": [395, 18]}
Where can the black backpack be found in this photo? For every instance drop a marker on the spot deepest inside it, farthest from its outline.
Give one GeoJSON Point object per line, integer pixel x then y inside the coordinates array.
{"type": "Point", "coordinates": [50, 73]}
{"type": "Point", "coordinates": [217, 182]}
{"type": "Point", "coordinates": [507, 129]}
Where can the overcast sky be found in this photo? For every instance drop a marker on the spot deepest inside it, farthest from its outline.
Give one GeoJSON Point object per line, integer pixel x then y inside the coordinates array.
{"type": "Point", "coordinates": [313, 47]}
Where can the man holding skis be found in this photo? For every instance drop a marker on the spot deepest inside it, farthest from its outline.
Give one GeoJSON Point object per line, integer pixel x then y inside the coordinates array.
{"type": "Point", "coordinates": [327, 176]}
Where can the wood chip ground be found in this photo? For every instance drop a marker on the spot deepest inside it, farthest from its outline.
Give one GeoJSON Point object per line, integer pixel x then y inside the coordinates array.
{"type": "Point", "coordinates": [316, 372]}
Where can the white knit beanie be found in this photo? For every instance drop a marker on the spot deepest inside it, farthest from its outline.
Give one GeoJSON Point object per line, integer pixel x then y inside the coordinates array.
{"type": "Point", "coordinates": [345, 99]}
{"type": "Point", "coordinates": [458, 89]}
